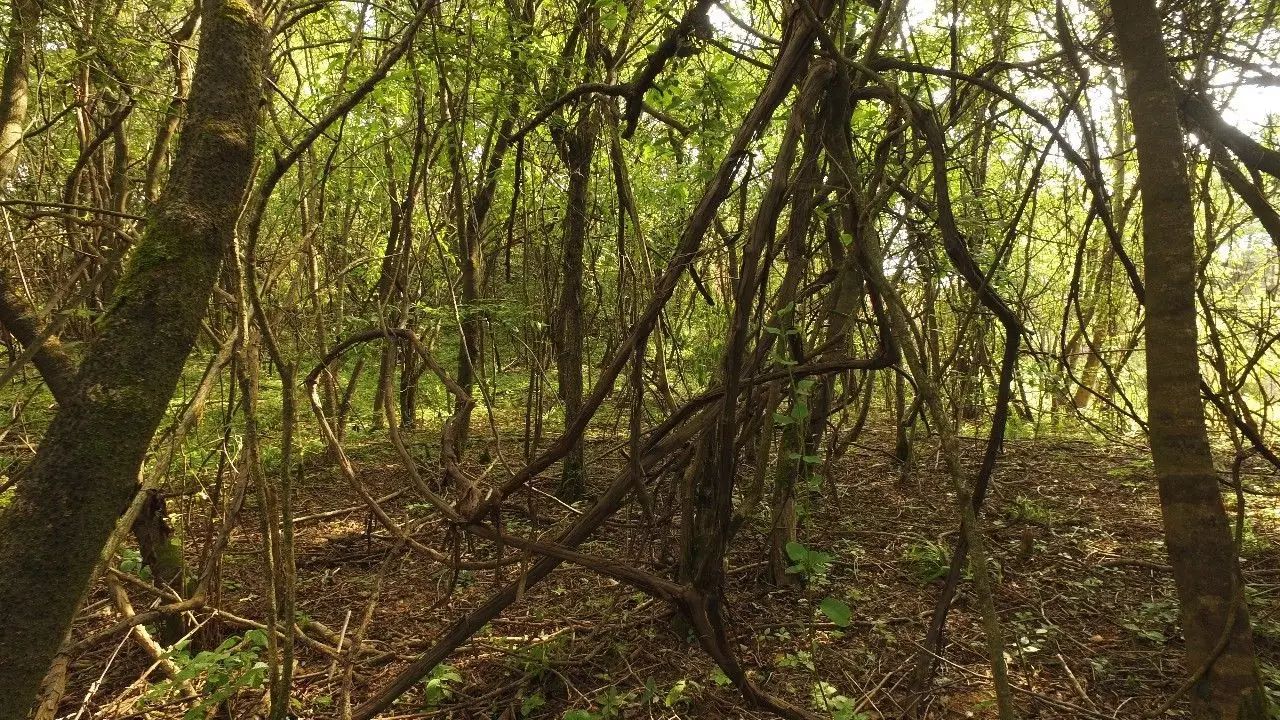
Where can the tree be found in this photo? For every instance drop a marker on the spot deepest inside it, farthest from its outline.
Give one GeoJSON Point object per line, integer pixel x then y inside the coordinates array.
{"type": "Point", "coordinates": [86, 470]}
{"type": "Point", "coordinates": [1215, 619]}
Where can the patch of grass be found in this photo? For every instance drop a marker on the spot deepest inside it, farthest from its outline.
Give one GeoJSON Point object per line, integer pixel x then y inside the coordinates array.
{"type": "Point", "coordinates": [1252, 543]}
{"type": "Point", "coordinates": [1027, 510]}
{"type": "Point", "coordinates": [927, 560]}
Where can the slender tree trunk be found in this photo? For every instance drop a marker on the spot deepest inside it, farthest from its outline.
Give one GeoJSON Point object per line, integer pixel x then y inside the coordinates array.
{"type": "Point", "coordinates": [168, 127]}
{"type": "Point", "coordinates": [24, 18]}
{"type": "Point", "coordinates": [86, 470]}
{"type": "Point", "coordinates": [578, 150]}
{"type": "Point", "coordinates": [1197, 533]}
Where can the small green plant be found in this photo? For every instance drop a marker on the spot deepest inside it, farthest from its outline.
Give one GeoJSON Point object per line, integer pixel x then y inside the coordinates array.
{"type": "Point", "coordinates": [537, 659]}
{"type": "Point", "coordinates": [650, 694]}
{"type": "Point", "coordinates": [826, 697]}
{"type": "Point", "coordinates": [799, 660]}
{"type": "Point", "coordinates": [131, 562]}
{"type": "Point", "coordinates": [531, 704]}
{"type": "Point", "coordinates": [1152, 619]}
{"type": "Point", "coordinates": [221, 673]}
{"type": "Point", "coordinates": [438, 686]}
{"type": "Point", "coordinates": [612, 703]}
{"type": "Point", "coordinates": [812, 565]}
{"type": "Point", "coordinates": [927, 560]}
{"type": "Point", "coordinates": [678, 694]}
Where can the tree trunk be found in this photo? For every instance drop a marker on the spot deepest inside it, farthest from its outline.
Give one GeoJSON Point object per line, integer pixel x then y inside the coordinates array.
{"type": "Point", "coordinates": [86, 470]}
{"type": "Point", "coordinates": [578, 150]}
{"type": "Point", "coordinates": [24, 20]}
{"type": "Point", "coordinates": [1197, 535]}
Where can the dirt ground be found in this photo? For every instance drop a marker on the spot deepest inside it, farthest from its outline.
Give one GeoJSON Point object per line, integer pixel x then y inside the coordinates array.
{"type": "Point", "coordinates": [1086, 603]}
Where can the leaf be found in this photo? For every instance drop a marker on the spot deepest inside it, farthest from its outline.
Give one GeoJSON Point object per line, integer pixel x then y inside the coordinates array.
{"type": "Point", "coordinates": [836, 611]}
{"type": "Point", "coordinates": [675, 695]}
{"type": "Point", "coordinates": [531, 704]}
{"type": "Point", "coordinates": [796, 551]}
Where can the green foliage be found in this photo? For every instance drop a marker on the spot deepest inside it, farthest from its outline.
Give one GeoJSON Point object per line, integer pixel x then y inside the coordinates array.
{"type": "Point", "coordinates": [532, 703]}
{"type": "Point", "coordinates": [824, 696]}
{"type": "Point", "coordinates": [131, 562]}
{"type": "Point", "coordinates": [1252, 543]}
{"type": "Point", "coordinates": [837, 611]}
{"type": "Point", "coordinates": [679, 693]}
{"type": "Point", "coordinates": [612, 703]}
{"type": "Point", "coordinates": [218, 674]}
{"type": "Point", "coordinates": [927, 560]}
{"type": "Point", "coordinates": [1153, 620]}
{"type": "Point", "coordinates": [536, 659]}
{"type": "Point", "coordinates": [438, 685]}
{"type": "Point", "coordinates": [1025, 509]}
{"type": "Point", "coordinates": [812, 565]}
{"type": "Point", "coordinates": [799, 660]}
{"type": "Point", "coordinates": [1271, 686]}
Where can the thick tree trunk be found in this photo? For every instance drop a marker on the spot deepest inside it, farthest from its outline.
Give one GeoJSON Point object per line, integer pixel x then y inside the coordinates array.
{"type": "Point", "coordinates": [86, 470]}
{"type": "Point", "coordinates": [1197, 534]}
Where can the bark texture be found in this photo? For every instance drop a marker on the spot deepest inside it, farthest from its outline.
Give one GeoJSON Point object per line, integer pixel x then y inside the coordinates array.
{"type": "Point", "coordinates": [579, 147]}
{"type": "Point", "coordinates": [1197, 533]}
{"type": "Point", "coordinates": [20, 46]}
{"type": "Point", "coordinates": [86, 470]}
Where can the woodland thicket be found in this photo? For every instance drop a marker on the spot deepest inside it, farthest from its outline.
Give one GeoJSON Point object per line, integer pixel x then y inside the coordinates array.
{"type": "Point", "coordinates": [650, 290]}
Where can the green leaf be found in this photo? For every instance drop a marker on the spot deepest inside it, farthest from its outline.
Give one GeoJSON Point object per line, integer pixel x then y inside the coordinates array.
{"type": "Point", "coordinates": [531, 704]}
{"type": "Point", "coordinates": [836, 611]}
{"type": "Point", "coordinates": [796, 551]}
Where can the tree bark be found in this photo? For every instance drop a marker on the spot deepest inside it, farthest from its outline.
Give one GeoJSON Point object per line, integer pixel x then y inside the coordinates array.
{"type": "Point", "coordinates": [577, 152]}
{"type": "Point", "coordinates": [86, 470]}
{"type": "Point", "coordinates": [1197, 535]}
{"type": "Point", "coordinates": [24, 19]}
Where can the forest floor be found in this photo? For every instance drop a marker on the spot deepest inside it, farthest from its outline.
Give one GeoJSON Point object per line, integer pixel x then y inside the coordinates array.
{"type": "Point", "coordinates": [1074, 527]}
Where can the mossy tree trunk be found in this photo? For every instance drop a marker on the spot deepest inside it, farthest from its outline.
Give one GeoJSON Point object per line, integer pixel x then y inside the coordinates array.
{"type": "Point", "coordinates": [577, 151]}
{"type": "Point", "coordinates": [20, 42]}
{"type": "Point", "coordinates": [1197, 534]}
{"type": "Point", "coordinates": [85, 472]}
